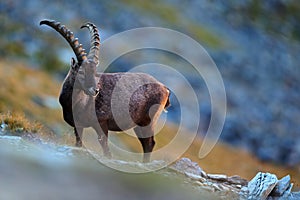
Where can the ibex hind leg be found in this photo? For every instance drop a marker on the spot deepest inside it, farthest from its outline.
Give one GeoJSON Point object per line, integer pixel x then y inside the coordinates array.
{"type": "Point", "coordinates": [78, 134]}
{"type": "Point", "coordinates": [145, 136]}
{"type": "Point", "coordinates": [102, 132]}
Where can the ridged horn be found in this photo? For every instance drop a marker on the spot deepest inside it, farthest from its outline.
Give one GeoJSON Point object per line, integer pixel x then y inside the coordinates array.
{"type": "Point", "coordinates": [95, 42]}
{"type": "Point", "coordinates": [69, 36]}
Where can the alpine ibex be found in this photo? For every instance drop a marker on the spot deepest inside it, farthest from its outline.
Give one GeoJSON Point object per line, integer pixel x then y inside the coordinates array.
{"type": "Point", "coordinates": [108, 101]}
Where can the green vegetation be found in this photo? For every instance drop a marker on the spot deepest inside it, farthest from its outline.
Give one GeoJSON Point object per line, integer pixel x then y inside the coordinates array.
{"type": "Point", "coordinates": [164, 11]}
{"type": "Point", "coordinates": [173, 19]}
{"type": "Point", "coordinates": [278, 18]}
{"type": "Point", "coordinates": [9, 45]}
{"type": "Point", "coordinates": [13, 38]}
{"type": "Point", "coordinates": [49, 61]}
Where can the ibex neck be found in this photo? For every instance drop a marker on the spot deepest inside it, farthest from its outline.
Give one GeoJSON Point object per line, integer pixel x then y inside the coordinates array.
{"type": "Point", "coordinates": [65, 97]}
{"type": "Point", "coordinates": [65, 100]}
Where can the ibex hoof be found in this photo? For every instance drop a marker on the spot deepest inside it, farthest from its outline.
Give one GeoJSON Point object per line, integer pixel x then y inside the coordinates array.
{"type": "Point", "coordinates": [78, 144]}
{"type": "Point", "coordinates": [146, 160]}
{"type": "Point", "coordinates": [108, 155]}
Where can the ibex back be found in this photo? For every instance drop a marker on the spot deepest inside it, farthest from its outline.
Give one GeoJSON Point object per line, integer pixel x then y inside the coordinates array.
{"type": "Point", "coordinates": [108, 101]}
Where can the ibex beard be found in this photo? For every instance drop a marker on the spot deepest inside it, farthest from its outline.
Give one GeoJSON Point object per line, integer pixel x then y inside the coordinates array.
{"type": "Point", "coordinates": [108, 101]}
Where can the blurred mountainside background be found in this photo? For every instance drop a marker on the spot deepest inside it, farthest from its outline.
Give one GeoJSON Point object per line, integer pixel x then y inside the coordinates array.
{"type": "Point", "coordinates": [253, 43]}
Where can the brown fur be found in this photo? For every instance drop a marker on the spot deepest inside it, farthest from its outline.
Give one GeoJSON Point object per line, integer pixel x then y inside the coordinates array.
{"type": "Point", "coordinates": [86, 98]}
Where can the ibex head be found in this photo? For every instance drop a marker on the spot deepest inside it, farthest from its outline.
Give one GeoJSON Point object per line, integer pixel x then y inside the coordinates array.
{"type": "Point", "coordinates": [84, 69]}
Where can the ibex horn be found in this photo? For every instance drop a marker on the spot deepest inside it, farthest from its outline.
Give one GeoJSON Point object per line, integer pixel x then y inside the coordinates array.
{"type": "Point", "coordinates": [95, 41]}
{"type": "Point", "coordinates": [69, 36]}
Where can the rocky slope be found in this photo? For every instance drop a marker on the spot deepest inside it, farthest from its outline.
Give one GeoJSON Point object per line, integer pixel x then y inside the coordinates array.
{"type": "Point", "coordinates": [33, 168]}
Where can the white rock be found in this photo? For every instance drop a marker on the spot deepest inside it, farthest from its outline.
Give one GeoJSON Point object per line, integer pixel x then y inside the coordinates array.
{"type": "Point", "coordinates": [261, 186]}
{"type": "Point", "coordinates": [186, 165]}
{"type": "Point", "coordinates": [219, 177]}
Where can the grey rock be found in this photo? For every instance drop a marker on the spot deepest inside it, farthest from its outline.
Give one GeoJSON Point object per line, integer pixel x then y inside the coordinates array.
{"type": "Point", "coordinates": [281, 187]}
{"type": "Point", "coordinates": [3, 127]}
{"type": "Point", "coordinates": [294, 196]}
{"type": "Point", "coordinates": [203, 174]}
{"type": "Point", "coordinates": [218, 177]}
{"type": "Point", "coordinates": [261, 186]}
{"type": "Point", "coordinates": [288, 191]}
{"type": "Point", "coordinates": [195, 177]}
{"type": "Point", "coordinates": [185, 165]}
{"type": "Point", "coordinates": [237, 180]}
{"type": "Point", "coordinates": [243, 194]}
{"type": "Point", "coordinates": [266, 186]}
{"type": "Point", "coordinates": [287, 195]}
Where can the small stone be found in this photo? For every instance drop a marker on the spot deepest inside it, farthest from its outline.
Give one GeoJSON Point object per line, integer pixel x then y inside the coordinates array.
{"type": "Point", "coordinates": [238, 186]}
{"type": "Point", "coordinates": [3, 126]}
{"type": "Point", "coordinates": [186, 165]}
{"type": "Point", "coordinates": [192, 176]}
{"type": "Point", "coordinates": [203, 174]}
{"type": "Point", "coordinates": [282, 185]}
{"type": "Point", "coordinates": [237, 180]}
{"type": "Point", "coordinates": [224, 188]}
{"type": "Point", "coordinates": [244, 190]}
{"type": "Point", "coordinates": [261, 186]}
{"type": "Point", "coordinates": [199, 183]}
{"type": "Point", "coordinates": [216, 186]}
{"type": "Point", "coordinates": [218, 177]}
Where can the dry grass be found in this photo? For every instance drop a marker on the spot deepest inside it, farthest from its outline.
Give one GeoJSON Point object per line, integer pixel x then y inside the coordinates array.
{"type": "Point", "coordinates": [18, 123]}
{"type": "Point", "coordinates": [19, 84]}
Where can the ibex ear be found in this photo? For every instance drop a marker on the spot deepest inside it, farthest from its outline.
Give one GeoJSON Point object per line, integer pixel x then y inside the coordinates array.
{"type": "Point", "coordinates": [73, 63]}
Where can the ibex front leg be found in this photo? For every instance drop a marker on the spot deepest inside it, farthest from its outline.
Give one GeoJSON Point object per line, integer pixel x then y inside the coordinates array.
{"type": "Point", "coordinates": [102, 132]}
{"type": "Point", "coordinates": [78, 134]}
